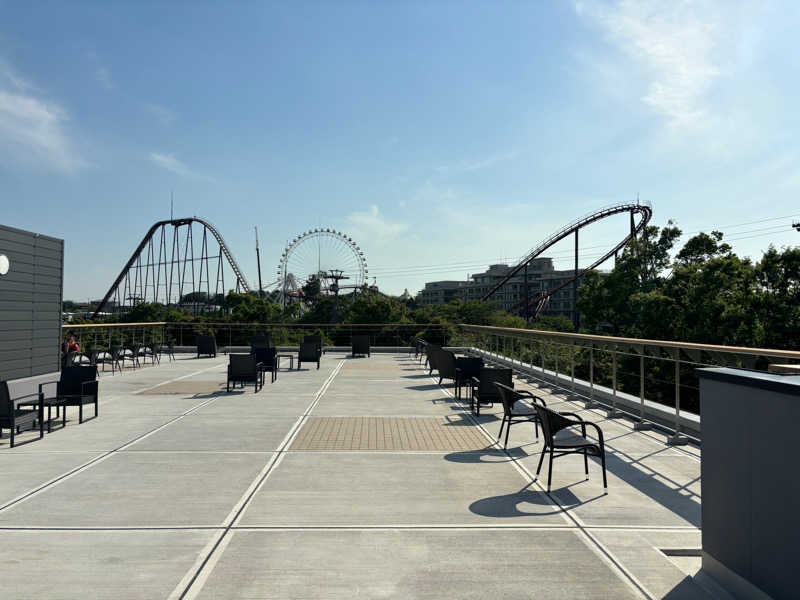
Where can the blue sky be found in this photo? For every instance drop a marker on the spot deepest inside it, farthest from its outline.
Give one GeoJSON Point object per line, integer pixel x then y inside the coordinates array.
{"type": "Point", "coordinates": [440, 135]}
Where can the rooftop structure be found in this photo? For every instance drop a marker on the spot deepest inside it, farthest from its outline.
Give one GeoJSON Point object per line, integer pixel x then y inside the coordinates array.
{"type": "Point", "coordinates": [365, 475]}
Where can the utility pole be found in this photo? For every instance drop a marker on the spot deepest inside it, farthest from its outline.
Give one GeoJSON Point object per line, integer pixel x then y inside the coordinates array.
{"type": "Point", "coordinates": [258, 263]}
{"type": "Point", "coordinates": [336, 275]}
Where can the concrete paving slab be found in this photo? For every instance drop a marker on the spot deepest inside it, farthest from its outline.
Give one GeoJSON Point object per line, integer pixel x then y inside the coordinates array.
{"type": "Point", "coordinates": [641, 552]}
{"type": "Point", "coordinates": [240, 432]}
{"type": "Point", "coordinates": [24, 472]}
{"type": "Point", "coordinates": [143, 489]}
{"type": "Point", "coordinates": [97, 435]}
{"type": "Point", "coordinates": [420, 564]}
{"type": "Point", "coordinates": [357, 489]}
{"type": "Point", "coordinates": [124, 565]}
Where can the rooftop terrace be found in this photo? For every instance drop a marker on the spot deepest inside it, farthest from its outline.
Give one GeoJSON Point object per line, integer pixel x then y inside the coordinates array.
{"type": "Point", "coordinates": [362, 479]}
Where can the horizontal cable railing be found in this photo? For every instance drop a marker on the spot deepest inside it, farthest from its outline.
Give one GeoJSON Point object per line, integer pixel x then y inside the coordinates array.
{"type": "Point", "coordinates": [659, 374]}
{"type": "Point", "coordinates": [231, 335]}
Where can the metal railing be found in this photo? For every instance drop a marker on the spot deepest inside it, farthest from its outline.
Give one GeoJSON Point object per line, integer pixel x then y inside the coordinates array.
{"type": "Point", "coordinates": [231, 335]}
{"type": "Point", "coordinates": [651, 380]}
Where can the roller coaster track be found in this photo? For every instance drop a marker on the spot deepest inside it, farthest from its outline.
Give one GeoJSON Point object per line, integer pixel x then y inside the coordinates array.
{"type": "Point", "coordinates": [643, 209]}
{"type": "Point", "coordinates": [135, 261]}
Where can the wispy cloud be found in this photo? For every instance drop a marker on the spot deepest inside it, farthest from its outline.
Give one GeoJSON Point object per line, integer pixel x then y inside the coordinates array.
{"type": "Point", "coordinates": [162, 114]}
{"type": "Point", "coordinates": [674, 43]}
{"type": "Point", "coordinates": [31, 128]}
{"type": "Point", "coordinates": [170, 163]}
{"type": "Point", "coordinates": [466, 166]}
{"type": "Point", "coordinates": [101, 73]}
{"type": "Point", "coordinates": [370, 224]}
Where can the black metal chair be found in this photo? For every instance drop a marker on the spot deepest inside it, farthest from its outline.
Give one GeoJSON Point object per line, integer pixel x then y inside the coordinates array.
{"type": "Point", "coordinates": [466, 368]}
{"type": "Point", "coordinates": [315, 339]}
{"type": "Point", "coordinates": [76, 386]}
{"type": "Point", "coordinates": [112, 356]}
{"type": "Point", "coordinates": [267, 361]}
{"type": "Point", "coordinates": [309, 352]}
{"type": "Point", "coordinates": [153, 351]}
{"type": "Point", "coordinates": [131, 352]}
{"type": "Point", "coordinates": [260, 341]}
{"type": "Point", "coordinates": [170, 350]}
{"type": "Point", "coordinates": [419, 347]}
{"type": "Point", "coordinates": [360, 345]}
{"type": "Point", "coordinates": [206, 345]}
{"type": "Point", "coordinates": [482, 389]}
{"type": "Point", "coordinates": [553, 422]}
{"type": "Point", "coordinates": [244, 369]}
{"type": "Point", "coordinates": [431, 352]}
{"type": "Point", "coordinates": [16, 412]}
{"type": "Point", "coordinates": [512, 415]}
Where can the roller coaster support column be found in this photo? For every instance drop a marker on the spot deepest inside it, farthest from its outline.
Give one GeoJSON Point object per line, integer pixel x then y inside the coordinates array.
{"type": "Point", "coordinates": [576, 319]}
{"type": "Point", "coordinates": [527, 301]}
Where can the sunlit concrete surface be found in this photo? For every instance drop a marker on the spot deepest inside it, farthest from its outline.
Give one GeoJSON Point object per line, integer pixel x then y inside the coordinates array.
{"type": "Point", "coordinates": [361, 479]}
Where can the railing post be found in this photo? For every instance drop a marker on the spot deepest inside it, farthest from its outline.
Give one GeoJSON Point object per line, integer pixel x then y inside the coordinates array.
{"type": "Point", "coordinates": [677, 439]}
{"type": "Point", "coordinates": [555, 351]}
{"type": "Point", "coordinates": [590, 403]}
{"type": "Point", "coordinates": [572, 366]}
{"type": "Point", "coordinates": [613, 413]}
{"type": "Point", "coordinates": [641, 424]}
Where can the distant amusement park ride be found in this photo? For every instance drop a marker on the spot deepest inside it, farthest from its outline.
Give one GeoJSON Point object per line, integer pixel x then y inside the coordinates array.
{"type": "Point", "coordinates": [323, 256]}
{"type": "Point", "coordinates": [530, 307]}
{"type": "Point", "coordinates": [173, 265]}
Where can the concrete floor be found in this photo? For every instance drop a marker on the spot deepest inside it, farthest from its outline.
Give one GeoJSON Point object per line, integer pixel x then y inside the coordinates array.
{"type": "Point", "coordinates": [180, 490]}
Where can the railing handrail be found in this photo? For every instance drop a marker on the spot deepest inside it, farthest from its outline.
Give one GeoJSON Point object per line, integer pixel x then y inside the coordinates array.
{"type": "Point", "coordinates": [606, 339]}
{"type": "Point", "coordinates": [236, 323]}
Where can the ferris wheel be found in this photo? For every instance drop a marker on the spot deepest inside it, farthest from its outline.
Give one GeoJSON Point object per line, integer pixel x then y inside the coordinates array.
{"type": "Point", "coordinates": [327, 255]}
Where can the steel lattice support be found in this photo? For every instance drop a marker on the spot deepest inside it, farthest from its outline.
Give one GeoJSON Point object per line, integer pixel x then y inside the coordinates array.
{"type": "Point", "coordinates": [172, 266]}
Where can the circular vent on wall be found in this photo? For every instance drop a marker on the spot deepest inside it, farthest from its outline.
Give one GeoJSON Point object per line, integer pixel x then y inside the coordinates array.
{"type": "Point", "coordinates": [4, 264]}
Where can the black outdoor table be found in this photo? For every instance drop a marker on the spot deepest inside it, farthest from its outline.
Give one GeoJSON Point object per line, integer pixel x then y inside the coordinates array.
{"type": "Point", "coordinates": [49, 403]}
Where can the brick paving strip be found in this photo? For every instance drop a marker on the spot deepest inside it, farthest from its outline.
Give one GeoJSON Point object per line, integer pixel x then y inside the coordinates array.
{"type": "Point", "coordinates": [389, 433]}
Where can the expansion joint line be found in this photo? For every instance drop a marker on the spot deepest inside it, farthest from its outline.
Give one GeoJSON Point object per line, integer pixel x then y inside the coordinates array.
{"type": "Point", "coordinates": [194, 580]}
{"type": "Point", "coordinates": [104, 456]}
{"type": "Point", "coordinates": [523, 470]}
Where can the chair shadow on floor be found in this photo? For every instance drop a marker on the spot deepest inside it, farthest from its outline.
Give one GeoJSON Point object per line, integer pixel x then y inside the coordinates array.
{"type": "Point", "coordinates": [510, 505]}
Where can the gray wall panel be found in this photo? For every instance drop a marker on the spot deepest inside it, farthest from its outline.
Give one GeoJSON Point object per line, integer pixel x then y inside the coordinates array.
{"type": "Point", "coordinates": [30, 303]}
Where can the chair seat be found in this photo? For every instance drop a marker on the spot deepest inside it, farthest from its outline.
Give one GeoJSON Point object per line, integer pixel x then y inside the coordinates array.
{"type": "Point", "coordinates": [574, 441]}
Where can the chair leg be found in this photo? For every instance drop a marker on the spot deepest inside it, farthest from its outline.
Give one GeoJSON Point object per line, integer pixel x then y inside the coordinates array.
{"type": "Point", "coordinates": [585, 464]}
{"type": "Point", "coordinates": [550, 470]}
{"type": "Point", "coordinates": [80, 413]}
{"type": "Point", "coordinates": [541, 460]}
{"type": "Point", "coordinates": [508, 430]}
{"type": "Point", "coordinates": [603, 463]}
{"type": "Point", "coordinates": [502, 423]}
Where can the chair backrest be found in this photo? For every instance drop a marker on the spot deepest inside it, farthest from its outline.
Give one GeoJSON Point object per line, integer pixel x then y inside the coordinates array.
{"type": "Point", "coordinates": [507, 396]}
{"type": "Point", "coordinates": [242, 364]}
{"type": "Point", "coordinates": [114, 351]}
{"type": "Point", "coordinates": [206, 344]}
{"type": "Point", "coordinates": [469, 366]}
{"type": "Point", "coordinates": [488, 377]}
{"type": "Point", "coordinates": [72, 358]}
{"type": "Point", "coordinates": [155, 348]}
{"type": "Point", "coordinates": [260, 341]}
{"type": "Point", "coordinates": [136, 349]}
{"type": "Point", "coordinates": [265, 356]}
{"type": "Point", "coordinates": [309, 351]}
{"type": "Point", "coordinates": [551, 421]}
{"type": "Point", "coordinates": [431, 351]}
{"type": "Point", "coordinates": [360, 343]}
{"type": "Point", "coordinates": [72, 379]}
{"type": "Point", "coordinates": [6, 406]}
{"type": "Point", "coordinates": [445, 363]}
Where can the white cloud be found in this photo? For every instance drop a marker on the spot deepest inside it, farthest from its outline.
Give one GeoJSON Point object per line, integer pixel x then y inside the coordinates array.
{"type": "Point", "coordinates": [101, 73]}
{"type": "Point", "coordinates": [370, 224]}
{"type": "Point", "coordinates": [466, 166]}
{"type": "Point", "coordinates": [162, 114]}
{"type": "Point", "coordinates": [676, 44]}
{"type": "Point", "coordinates": [31, 129]}
{"type": "Point", "coordinates": [170, 163]}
